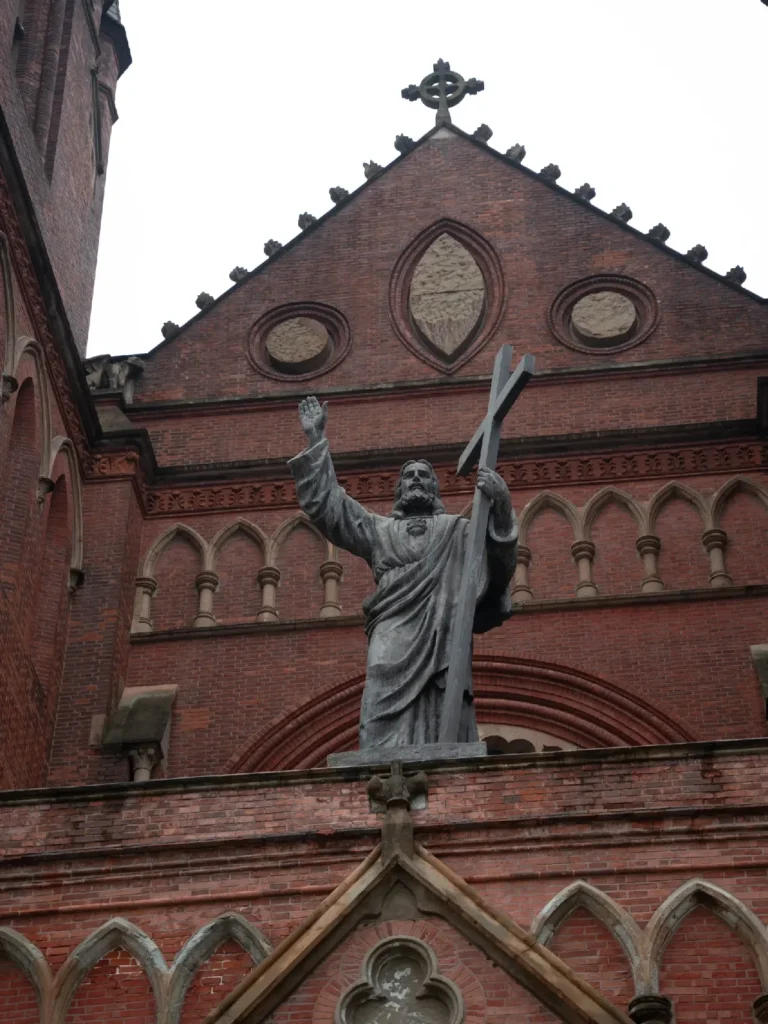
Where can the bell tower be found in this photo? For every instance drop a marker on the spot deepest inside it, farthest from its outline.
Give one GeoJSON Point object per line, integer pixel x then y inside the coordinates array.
{"type": "Point", "coordinates": [57, 93]}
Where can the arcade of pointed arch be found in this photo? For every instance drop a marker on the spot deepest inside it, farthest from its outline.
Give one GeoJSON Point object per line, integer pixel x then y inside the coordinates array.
{"type": "Point", "coordinates": [643, 950]}
{"type": "Point", "coordinates": [581, 521]}
{"type": "Point", "coordinates": [23, 360]}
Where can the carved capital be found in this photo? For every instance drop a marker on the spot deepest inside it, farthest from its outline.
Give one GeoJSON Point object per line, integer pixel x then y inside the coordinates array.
{"type": "Point", "coordinates": [523, 555]}
{"type": "Point", "coordinates": [760, 1009]}
{"type": "Point", "coordinates": [651, 1010]}
{"type": "Point", "coordinates": [147, 583]}
{"type": "Point", "coordinates": [268, 574]}
{"type": "Point", "coordinates": [76, 580]}
{"type": "Point", "coordinates": [10, 384]}
{"type": "Point", "coordinates": [44, 487]}
{"type": "Point", "coordinates": [206, 580]}
{"type": "Point", "coordinates": [714, 539]}
{"type": "Point", "coordinates": [648, 545]}
{"type": "Point", "coordinates": [144, 758]}
{"type": "Point", "coordinates": [331, 570]}
{"type": "Point", "coordinates": [583, 549]}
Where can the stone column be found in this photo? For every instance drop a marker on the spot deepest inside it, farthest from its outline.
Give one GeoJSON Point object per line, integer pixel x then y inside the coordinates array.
{"type": "Point", "coordinates": [521, 591]}
{"type": "Point", "coordinates": [583, 552]}
{"type": "Point", "coordinates": [206, 583]}
{"type": "Point", "coordinates": [142, 608]}
{"type": "Point", "coordinates": [651, 1010]}
{"type": "Point", "coordinates": [714, 542]}
{"type": "Point", "coordinates": [331, 573]}
{"type": "Point", "coordinates": [648, 547]}
{"type": "Point", "coordinates": [268, 577]}
{"type": "Point", "coordinates": [143, 759]}
{"type": "Point", "coordinates": [760, 1009]}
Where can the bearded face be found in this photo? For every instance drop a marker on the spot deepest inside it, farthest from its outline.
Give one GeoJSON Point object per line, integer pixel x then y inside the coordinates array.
{"type": "Point", "coordinates": [417, 492]}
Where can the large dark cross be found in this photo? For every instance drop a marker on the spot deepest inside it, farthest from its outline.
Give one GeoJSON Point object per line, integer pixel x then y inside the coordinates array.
{"type": "Point", "coordinates": [442, 89]}
{"type": "Point", "coordinates": [483, 449]}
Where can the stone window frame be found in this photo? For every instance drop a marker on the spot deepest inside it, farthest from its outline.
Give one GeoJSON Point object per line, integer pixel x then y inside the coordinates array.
{"type": "Point", "coordinates": [331, 318]}
{"type": "Point", "coordinates": [490, 266]}
{"type": "Point", "coordinates": [435, 984]}
{"type": "Point", "coordinates": [643, 299]}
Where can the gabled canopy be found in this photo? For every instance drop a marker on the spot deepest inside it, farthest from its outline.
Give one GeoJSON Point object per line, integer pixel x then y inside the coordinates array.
{"type": "Point", "coordinates": [500, 938]}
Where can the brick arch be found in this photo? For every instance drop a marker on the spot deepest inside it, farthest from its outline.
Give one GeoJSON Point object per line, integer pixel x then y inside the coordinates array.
{"type": "Point", "coordinates": [737, 484]}
{"type": "Point", "coordinates": [699, 893]}
{"type": "Point", "coordinates": [675, 489]}
{"type": "Point", "coordinates": [63, 446]}
{"type": "Point", "coordinates": [608, 496]}
{"type": "Point", "coordinates": [19, 522]}
{"type": "Point", "coordinates": [240, 525]}
{"type": "Point", "coordinates": [582, 895]}
{"type": "Point", "coordinates": [286, 528]}
{"type": "Point", "coordinates": [203, 945]}
{"type": "Point", "coordinates": [165, 538]}
{"type": "Point", "coordinates": [113, 934]}
{"type": "Point", "coordinates": [582, 709]}
{"type": "Point", "coordinates": [31, 962]}
{"type": "Point", "coordinates": [550, 500]}
{"type": "Point", "coordinates": [30, 350]}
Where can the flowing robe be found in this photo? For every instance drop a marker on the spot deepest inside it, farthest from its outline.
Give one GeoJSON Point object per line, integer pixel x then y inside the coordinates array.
{"type": "Point", "coordinates": [417, 565]}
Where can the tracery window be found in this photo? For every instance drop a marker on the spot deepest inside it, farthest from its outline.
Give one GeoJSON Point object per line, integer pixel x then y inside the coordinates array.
{"type": "Point", "coordinates": [401, 985]}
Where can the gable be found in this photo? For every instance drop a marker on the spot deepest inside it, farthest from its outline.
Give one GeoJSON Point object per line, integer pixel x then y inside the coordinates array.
{"type": "Point", "coordinates": [351, 978]}
{"type": "Point", "coordinates": [411, 895]}
{"type": "Point", "coordinates": [545, 242]}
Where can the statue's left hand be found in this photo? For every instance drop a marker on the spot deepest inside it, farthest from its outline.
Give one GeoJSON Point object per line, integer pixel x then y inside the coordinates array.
{"type": "Point", "coordinates": [492, 485]}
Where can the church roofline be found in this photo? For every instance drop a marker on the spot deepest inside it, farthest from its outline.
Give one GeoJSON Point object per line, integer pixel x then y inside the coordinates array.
{"type": "Point", "coordinates": [516, 165]}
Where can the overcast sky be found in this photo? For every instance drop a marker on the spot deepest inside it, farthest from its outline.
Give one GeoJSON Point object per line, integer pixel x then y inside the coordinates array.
{"type": "Point", "coordinates": [237, 116]}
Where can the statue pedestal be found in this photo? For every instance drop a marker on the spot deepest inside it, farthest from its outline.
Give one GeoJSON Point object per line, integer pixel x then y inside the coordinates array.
{"type": "Point", "coordinates": [418, 752]}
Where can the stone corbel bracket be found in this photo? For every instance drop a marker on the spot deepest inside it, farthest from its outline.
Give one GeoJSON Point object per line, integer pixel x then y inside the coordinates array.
{"type": "Point", "coordinates": [139, 728]}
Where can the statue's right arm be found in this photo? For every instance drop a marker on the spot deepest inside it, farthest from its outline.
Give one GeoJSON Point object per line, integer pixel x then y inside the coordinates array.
{"type": "Point", "coordinates": [339, 518]}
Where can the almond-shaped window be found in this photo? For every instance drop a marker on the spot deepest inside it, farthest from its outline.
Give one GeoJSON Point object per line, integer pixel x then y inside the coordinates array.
{"type": "Point", "coordinates": [446, 295]}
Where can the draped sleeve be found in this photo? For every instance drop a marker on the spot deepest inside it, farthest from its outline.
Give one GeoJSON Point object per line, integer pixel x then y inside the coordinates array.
{"type": "Point", "coordinates": [338, 517]}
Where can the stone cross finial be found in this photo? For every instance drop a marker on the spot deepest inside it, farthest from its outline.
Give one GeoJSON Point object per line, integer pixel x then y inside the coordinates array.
{"type": "Point", "coordinates": [442, 89]}
{"type": "Point", "coordinates": [397, 792]}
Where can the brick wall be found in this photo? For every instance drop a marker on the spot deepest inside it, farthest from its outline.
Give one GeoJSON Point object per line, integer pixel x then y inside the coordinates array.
{"type": "Point", "coordinates": [170, 858]}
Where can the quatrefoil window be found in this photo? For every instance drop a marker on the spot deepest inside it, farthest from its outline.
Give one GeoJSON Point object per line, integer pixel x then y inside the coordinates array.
{"type": "Point", "coordinates": [401, 985]}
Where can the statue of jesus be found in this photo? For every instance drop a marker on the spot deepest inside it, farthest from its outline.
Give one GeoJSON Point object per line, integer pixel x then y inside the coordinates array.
{"type": "Point", "coordinates": [416, 555]}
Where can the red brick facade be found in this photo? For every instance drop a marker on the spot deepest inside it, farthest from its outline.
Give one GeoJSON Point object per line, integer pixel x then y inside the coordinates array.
{"type": "Point", "coordinates": [150, 537]}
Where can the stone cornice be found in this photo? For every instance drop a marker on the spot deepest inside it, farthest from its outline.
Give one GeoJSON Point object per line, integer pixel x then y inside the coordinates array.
{"type": "Point", "coordinates": [442, 385]}
{"type": "Point", "coordinates": [669, 752]}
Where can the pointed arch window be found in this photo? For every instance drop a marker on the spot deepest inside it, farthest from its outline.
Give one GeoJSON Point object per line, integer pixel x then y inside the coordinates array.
{"type": "Point", "coordinates": [446, 295]}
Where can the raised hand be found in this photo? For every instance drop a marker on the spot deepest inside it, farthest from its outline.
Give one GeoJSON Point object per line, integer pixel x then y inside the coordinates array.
{"type": "Point", "coordinates": [313, 418]}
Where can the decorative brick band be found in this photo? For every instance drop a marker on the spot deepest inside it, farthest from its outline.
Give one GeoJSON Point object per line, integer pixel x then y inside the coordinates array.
{"type": "Point", "coordinates": [647, 464]}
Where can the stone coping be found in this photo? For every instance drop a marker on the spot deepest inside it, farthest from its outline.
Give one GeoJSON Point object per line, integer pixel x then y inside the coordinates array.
{"type": "Point", "coordinates": [119, 791]}
{"type": "Point", "coordinates": [735, 360]}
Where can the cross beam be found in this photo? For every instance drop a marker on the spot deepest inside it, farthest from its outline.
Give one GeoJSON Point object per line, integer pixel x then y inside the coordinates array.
{"type": "Point", "coordinates": [483, 449]}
